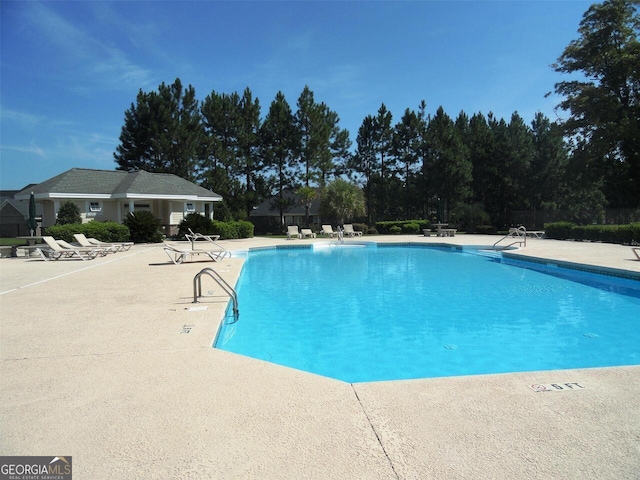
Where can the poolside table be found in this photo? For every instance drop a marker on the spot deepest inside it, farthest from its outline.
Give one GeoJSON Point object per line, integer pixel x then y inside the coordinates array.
{"type": "Point", "coordinates": [31, 240]}
{"type": "Point", "coordinates": [30, 247]}
{"type": "Point", "coordinates": [445, 232]}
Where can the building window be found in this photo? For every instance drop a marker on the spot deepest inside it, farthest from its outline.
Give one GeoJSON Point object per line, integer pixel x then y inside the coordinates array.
{"type": "Point", "coordinates": [190, 208]}
{"type": "Point", "coordinates": [95, 207]}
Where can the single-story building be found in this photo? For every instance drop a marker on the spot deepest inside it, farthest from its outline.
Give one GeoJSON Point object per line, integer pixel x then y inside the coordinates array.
{"type": "Point", "coordinates": [109, 195]}
{"type": "Point", "coordinates": [14, 214]}
{"type": "Point", "coordinates": [266, 216]}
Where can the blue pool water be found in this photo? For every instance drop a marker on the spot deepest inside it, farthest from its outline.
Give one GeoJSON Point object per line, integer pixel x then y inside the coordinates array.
{"type": "Point", "coordinates": [382, 313]}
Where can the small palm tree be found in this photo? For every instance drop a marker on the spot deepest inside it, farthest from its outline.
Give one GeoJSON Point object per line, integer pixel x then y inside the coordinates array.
{"type": "Point", "coordinates": [144, 226]}
{"type": "Point", "coordinates": [306, 195]}
{"type": "Point", "coordinates": [342, 200]}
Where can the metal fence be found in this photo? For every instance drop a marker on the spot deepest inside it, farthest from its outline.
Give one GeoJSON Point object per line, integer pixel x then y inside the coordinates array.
{"type": "Point", "coordinates": [612, 216]}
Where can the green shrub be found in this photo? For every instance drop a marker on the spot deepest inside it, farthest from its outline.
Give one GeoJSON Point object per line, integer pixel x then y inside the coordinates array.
{"type": "Point", "coordinates": [470, 215]}
{"type": "Point", "coordinates": [69, 213]}
{"type": "Point", "coordinates": [64, 232]}
{"type": "Point", "coordinates": [196, 222]}
{"type": "Point", "coordinates": [594, 233]}
{"type": "Point", "coordinates": [106, 231]}
{"type": "Point", "coordinates": [361, 227]}
{"type": "Point", "coordinates": [144, 227]}
{"type": "Point", "coordinates": [245, 229]}
{"type": "Point", "coordinates": [103, 231]}
{"type": "Point", "coordinates": [388, 226]}
{"type": "Point", "coordinates": [226, 230]}
{"type": "Point", "coordinates": [222, 213]}
{"type": "Point", "coordinates": [559, 230]}
{"type": "Point", "coordinates": [395, 230]}
{"type": "Point", "coordinates": [372, 231]}
{"type": "Point", "coordinates": [410, 227]}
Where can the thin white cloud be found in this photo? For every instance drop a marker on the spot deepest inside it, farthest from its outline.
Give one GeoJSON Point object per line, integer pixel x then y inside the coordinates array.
{"type": "Point", "coordinates": [92, 150]}
{"type": "Point", "coordinates": [23, 118]}
{"type": "Point", "coordinates": [31, 120]}
{"type": "Point", "coordinates": [92, 61]}
{"type": "Point", "coordinates": [30, 150]}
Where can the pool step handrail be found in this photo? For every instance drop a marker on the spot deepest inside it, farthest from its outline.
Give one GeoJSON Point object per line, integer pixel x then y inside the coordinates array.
{"type": "Point", "coordinates": [197, 288]}
{"type": "Point", "coordinates": [520, 233]}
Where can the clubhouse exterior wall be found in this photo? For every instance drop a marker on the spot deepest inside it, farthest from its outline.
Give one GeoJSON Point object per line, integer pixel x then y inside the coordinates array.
{"type": "Point", "coordinates": [110, 195]}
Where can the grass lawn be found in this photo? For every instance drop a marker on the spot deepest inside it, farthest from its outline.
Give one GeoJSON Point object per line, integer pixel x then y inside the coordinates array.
{"type": "Point", "coordinates": [11, 241]}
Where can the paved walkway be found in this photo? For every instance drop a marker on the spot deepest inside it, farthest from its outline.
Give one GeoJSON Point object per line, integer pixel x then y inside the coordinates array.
{"type": "Point", "coordinates": [108, 361]}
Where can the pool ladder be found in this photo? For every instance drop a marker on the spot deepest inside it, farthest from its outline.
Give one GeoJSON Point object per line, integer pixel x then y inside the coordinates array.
{"type": "Point", "coordinates": [520, 233]}
{"type": "Point", "coordinates": [197, 288]}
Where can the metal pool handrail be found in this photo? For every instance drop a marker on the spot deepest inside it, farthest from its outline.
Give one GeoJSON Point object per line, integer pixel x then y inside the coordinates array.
{"type": "Point", "coordinates": [197, 288]}
{"type": "Point", "coordinates": [520, 233]}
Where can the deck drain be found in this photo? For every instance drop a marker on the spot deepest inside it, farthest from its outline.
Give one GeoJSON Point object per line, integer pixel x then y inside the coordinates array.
{"type": "Point", "coordinates": [186, 329]}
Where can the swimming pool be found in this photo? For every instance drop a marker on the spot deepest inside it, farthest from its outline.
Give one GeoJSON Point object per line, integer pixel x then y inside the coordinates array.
{"type": "Point", "coordinates": [400, 312]}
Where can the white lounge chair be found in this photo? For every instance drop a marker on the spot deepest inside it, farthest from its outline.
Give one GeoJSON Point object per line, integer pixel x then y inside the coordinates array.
{"type": "Point", "coordinates": [55, 251]}
{"type": "Point", "coordinates": [307, 233]}
{"type": "Point", "coordinates": [348, 230]}
{"type": "Point", "coordinates": [292, 231]}
{"type": "Point", "coordinates": [100, 250]}
{"type": "Point", "coordinates": [179, 254]}
{"type": "Point", "coordinates": [193, 237]}
{"type": "Point", "coordinates": [84, 242]}
{"type": "Point", "coordinates": [328, 230]}
{"type": "Point", "coordinates": [121, 246]}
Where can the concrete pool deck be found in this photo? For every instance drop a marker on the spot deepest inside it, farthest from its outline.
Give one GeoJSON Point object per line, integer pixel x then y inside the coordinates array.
{"type": "Point", "coordinates": [109, 361]}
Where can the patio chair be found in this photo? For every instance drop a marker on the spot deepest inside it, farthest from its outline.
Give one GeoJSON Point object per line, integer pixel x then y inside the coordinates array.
{"type": "Point", "coordinates": [636, 251]}
{"type": "Point", "coordinates": [84, 242]}
{"type": "Point", "coordinates": [100, 250]}
{"type": "Point", "coordinates": [292, 231]}
{"type": "Point", "coordinates": [193, 236]}
{"type": "Point", "coordinates": [55, 251]}
{"type": "Point", "coordinates": [120, 246]}
{"type": "Point", "coordinates": [179, 254]}
{"type": "Point", "coordinates": [307, 233]}
{"type": "Point", "coordinates": [348, 230]}
{"type": "Point", "coordinates": [328, 230]}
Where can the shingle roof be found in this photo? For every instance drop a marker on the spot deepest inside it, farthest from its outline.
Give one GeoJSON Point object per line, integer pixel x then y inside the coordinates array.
{"type": "Point", "coordinates": [82, 181]}
{"type": "Point", "coordinates": [267, 208]}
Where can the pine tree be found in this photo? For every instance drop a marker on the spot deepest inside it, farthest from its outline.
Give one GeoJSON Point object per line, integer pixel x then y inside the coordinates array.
{"type": "Point", "coordinates": [448, 162]}
{"type": "Point", "coordinates": [280, 142]}
{"type": "Point", "coordinates": [604, 105]}
{"type": "Point", "coordinates": [162, 132]}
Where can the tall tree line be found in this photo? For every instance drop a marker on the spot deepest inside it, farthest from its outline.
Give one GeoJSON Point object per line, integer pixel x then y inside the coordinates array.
{"type": "Point", "coordinates": [432, 164]}
{"type": "Point", "coordinates": [224, 144]}
{"type": "Point", "coordinates": [421, 166]}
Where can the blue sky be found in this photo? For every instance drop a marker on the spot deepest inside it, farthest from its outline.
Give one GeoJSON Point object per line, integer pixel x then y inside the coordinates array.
{"type": "Point", "coordinates": [69, 70]}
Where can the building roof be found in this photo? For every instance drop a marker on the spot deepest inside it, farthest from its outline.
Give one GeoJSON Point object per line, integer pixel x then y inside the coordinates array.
{"type": "Point", "coordinates": [8, 202]}
{"type": "Point", "coordinates": [7, 205]}
{"type": "Point", "coordinates": [114, 184]}
{"type": "Point", "coordinates": [297, 208]}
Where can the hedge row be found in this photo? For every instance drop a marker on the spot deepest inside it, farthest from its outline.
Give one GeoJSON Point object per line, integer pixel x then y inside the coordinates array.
{"type": "Point", "coordinates": [103, 231]}
{"type": "Point", "coordinates": [233, 229]}
{"type": "Point", "coordinates": [227, 230]}
{"type": "Point", "coordinates": [402, 226]}
{"type": "Point", "coordinates": [595, 233]}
